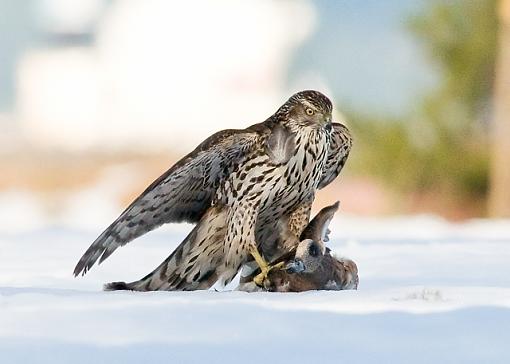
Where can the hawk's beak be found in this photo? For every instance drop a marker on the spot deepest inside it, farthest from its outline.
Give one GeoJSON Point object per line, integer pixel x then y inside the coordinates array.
{"type": "Point", "coordinates": [327, 124]}
{"type": "Point", "coordinates": [295, 266]}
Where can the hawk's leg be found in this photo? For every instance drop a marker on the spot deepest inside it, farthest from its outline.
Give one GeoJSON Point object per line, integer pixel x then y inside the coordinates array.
{"type": "Point", "coordinates": [240, 240]}
{"type": "Point", "coordinates": [264, 266]}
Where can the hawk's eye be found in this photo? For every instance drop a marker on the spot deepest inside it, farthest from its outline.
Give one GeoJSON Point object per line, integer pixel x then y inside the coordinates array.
{"type": "Point", "coordinates": [309, 111]}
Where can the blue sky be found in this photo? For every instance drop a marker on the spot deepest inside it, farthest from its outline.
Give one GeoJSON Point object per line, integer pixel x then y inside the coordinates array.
{"type": "Point", "coordinates": [366, 55]}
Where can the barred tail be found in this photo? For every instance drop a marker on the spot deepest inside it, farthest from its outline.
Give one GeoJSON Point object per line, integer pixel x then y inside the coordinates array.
{"type": "Point", "coordinates": [194, 264]}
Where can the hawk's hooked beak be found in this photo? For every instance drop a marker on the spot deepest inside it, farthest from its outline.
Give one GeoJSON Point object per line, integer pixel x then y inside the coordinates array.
{"type": "Point", "coordinates": [295, 266]}
{"type": "Point", "coordinates": [327, 124]}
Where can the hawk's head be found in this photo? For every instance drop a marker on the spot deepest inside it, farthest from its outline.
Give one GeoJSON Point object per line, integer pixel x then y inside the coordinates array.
{"type": "Point", "coordinates": [306, 109]}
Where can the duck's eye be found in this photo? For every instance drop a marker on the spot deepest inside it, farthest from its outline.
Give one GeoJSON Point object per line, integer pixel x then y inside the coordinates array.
{"type": "Point", "coordinates": [313, 250]}
{"type": "Point", "coordinates": [309, 111]}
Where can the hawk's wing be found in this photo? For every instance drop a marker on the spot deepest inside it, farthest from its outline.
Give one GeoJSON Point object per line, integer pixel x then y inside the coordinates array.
{"type": "Point", "coordinates": [183, 193]}
{"type": "Point", "coordinates": [340, 146]}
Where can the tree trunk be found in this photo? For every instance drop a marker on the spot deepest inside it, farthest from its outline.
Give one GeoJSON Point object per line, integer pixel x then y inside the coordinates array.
{"type": "Point", "coordinates": [499, 198]}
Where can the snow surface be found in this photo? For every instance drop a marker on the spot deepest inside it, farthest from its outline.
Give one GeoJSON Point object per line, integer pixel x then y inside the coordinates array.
{"type": "Point", "coordinates": [429, 291]}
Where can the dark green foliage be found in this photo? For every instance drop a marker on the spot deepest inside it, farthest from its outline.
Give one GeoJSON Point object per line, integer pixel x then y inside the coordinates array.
{"type": "Point", "coordinates": [443, 144]}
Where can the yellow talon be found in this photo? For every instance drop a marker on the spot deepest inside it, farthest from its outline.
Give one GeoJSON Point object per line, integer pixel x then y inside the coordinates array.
{"type": "Point", "coordinates": [259, 259]}
{"type": "Point", "coordinates": [259, 278]}
{"type": "Point", "coordinates": [265, 268]}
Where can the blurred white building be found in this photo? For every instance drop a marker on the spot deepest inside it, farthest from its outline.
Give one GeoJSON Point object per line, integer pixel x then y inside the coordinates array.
{"type": "Point", "coordinates": [158, 74]}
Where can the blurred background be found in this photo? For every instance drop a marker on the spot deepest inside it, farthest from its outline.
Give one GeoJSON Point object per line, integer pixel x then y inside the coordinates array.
{"type": "Point", "coordinates": [99, 97]}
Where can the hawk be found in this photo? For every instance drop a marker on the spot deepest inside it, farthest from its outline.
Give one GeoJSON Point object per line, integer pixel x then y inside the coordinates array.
{"type": "Point", "coordinates": [241, 189]}
{"type": "Point", "coordinates": [308, 266]}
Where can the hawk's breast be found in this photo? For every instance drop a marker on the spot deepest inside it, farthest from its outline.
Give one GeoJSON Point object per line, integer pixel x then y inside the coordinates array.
{"type": "Point", "coordinates": [272, 188]}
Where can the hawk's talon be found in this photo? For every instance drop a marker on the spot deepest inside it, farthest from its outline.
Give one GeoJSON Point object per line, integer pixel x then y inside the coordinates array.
{"type": "Point", "coordinates": [261, 277]}
{"type": "Point", "coordinates": [264, 266]}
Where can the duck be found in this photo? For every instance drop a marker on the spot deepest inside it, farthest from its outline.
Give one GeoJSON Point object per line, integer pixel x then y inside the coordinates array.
{"type": "Point", "coordinates": [310, 265]}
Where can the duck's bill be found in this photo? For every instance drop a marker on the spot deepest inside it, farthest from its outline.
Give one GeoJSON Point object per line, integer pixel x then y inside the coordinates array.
{"type": "Point", "coordinates": [295, 266]}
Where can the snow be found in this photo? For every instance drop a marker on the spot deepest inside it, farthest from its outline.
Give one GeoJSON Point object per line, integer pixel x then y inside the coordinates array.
{"type": "Point", "coordinates": [430, 291]}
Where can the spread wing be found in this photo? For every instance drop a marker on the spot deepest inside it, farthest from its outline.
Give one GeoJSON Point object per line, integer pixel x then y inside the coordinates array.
{"type": "Point", "coordinates": [340, 146]}
{"type": "Point", "coordinates": [183, 193]}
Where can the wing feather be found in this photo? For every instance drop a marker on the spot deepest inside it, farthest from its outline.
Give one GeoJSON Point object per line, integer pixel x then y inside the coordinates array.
{"type": "Point", "coordinates": [183, 193]}
{"type": "Point", "coordinates": [340, 146]}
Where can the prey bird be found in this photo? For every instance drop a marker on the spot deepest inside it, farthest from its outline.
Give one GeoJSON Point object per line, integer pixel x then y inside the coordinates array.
{"type": "Point", "coordinates": [246, 190]}
{"type": "Point", "coordinates": [308, 266]}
